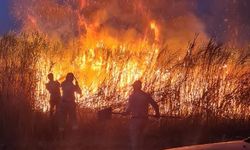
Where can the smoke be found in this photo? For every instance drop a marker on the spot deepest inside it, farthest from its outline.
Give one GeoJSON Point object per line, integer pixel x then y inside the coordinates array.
{"type": "Point", "coordinates": [113, 21]}
{"type": "Point", "coordinates": [126, 21]}
{"type": "Point", "coordinates": [45, 16]}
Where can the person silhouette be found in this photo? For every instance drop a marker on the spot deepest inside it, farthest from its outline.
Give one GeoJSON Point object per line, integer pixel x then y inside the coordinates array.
{"type": "Point", "coordinates": [138, 104]}
{"type": "Point", "coordinates": [68, 104]}
{"type": "Point", "coordinates": [55, 95]}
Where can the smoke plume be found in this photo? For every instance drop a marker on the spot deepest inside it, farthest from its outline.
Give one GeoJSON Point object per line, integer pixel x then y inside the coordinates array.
{"type": "Point", "coordinates": [168, 22]}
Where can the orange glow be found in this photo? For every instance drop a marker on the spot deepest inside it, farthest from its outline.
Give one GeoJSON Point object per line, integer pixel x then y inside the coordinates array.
{"type": "Point", "coordinates": [155, 28]}
{"type": "Point", "coordinates": [108, 50]}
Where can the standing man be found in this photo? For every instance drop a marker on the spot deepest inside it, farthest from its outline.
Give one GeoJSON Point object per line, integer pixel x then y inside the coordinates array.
{"type": "Point", "coordinates": [55, 95]}
{"type": "Point", "coordinates": [138, 105]}
{"type": "Point", "coordinates": [68, 104]}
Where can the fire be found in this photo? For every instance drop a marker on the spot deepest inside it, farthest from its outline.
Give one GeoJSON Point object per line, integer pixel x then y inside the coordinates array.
{"type": "Point", "coordinates": [110, 44]}
{"type": "Point", "coordinates": [98, 67]}
{"type": "Point", "coordinates": [155, 28]}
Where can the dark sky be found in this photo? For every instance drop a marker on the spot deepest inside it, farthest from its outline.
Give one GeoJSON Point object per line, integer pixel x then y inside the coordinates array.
{"type": "Point", "coordinates": [228, 20]}
{"type": "Point", "coordinates": [6, 21]}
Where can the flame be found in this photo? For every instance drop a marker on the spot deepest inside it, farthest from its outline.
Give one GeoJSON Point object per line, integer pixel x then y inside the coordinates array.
{"type": "Point", "coordinates": [110, 44]}
{"type": "Point", "coordinates": [155, 28]}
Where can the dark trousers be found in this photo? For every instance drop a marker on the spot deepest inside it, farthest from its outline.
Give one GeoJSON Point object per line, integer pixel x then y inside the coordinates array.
{"type": "Point", "coordinates": [137, 127]}
{"type": "Point", "coordinates": [54, 104]}
{"type": "Point", "coordinates": [67, 111]}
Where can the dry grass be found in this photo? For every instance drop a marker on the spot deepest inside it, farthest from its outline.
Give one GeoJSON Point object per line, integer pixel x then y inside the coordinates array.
{"type": "Point", "coordinates": [210, 85]}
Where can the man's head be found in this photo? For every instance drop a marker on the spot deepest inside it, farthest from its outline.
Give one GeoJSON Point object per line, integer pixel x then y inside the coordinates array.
{"type": "Point", "coordinates": [137, 85]}
{"type": "Point", "coordinates": [51, 76]}
{"type": "Point", "coordinates": [70, 77]}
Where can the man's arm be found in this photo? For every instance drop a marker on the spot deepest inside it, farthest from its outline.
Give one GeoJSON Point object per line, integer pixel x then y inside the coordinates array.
{"type": "Point", "coordinates": [78, 89]}
{"type": "Point", "coordinates": [154, 105]}
{"type": "Point", "coordinates": [47, 86]}
{"type": "Point", "coordinates": [58, 84]}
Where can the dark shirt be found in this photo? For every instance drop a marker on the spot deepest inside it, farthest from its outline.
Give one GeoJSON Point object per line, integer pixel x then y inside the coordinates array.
{"type": "Point", "coordinates": [139, 103]}
{"type": "Point", "coordinates": [54, 89]}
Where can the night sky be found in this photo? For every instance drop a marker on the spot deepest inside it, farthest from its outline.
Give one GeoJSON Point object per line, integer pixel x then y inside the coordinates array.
{"type": "Point", "coordinates": [216, 15]}
{"type": "Point", "coordinates": [7, 23]}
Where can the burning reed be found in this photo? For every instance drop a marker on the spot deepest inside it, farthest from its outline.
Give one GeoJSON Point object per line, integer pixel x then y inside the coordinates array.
{"type": "Point", "coordinates": [209, 82]}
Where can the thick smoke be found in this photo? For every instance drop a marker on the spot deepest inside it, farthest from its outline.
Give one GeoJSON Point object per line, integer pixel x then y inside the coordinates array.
{"type": "Point", "coordinates": [120, 21]}
{"type": "Point", "coordinates": [128, 20]}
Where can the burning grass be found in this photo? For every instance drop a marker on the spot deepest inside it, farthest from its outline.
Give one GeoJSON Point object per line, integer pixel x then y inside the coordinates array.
{"type": "Point", "coordinates": [208, 83]}
{"type": "Point", "coordinates": [208, 80]}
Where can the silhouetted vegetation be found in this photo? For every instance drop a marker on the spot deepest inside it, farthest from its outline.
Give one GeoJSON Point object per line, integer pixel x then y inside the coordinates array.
{"type": "Point", "coordinates": [209, 88]}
